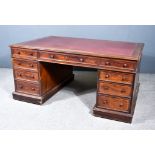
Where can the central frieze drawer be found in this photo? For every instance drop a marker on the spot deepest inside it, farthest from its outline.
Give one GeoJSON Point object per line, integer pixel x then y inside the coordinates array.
{"type": "Point", "coordinates": [115, 89]}
{"type": "Point", "coordinates": [83, 59]}
{"type": "Point", "coordinates": [71, 58]}
{"type": "Point", "coordinates": [52, 56]}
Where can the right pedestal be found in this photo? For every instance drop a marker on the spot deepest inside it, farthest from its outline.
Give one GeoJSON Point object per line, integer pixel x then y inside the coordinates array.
{"type": "Point", "coordinates": [116, 95]}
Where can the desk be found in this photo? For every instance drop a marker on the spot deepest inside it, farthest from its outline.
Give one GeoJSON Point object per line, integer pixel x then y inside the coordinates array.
{"type": "Point", "coordinates": [43, 66]}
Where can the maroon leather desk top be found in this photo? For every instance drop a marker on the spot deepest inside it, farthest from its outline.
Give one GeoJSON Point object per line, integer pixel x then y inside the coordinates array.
{"type": "Point", "coordinates": [101, 48]}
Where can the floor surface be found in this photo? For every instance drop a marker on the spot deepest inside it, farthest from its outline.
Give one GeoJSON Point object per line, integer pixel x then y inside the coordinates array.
{"type": "Point", "coordinates": [71, 108]}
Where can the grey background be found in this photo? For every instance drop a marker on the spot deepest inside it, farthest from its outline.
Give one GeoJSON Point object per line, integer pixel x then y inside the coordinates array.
{"type": "Point", "coordinates": [18, 33]}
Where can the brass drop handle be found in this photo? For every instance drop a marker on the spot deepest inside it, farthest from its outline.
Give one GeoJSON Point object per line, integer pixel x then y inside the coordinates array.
{"type": "Point", "coordinates": [81, 59]}
{"type": "Point", "coordinates": [107, 63]}
{"type": "Point", "coordinates": [107, 76]}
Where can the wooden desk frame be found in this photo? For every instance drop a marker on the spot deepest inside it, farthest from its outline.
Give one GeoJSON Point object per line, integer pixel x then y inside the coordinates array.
{"type": "Point", "coordinates": [41, 71]}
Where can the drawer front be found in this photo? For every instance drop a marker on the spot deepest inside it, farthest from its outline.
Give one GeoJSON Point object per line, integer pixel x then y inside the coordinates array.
{"type": "Point", "coordinates": [69, 58]}
{"type": "Point", "coordinates": [116, 76]}
{"type": "Point", "coordinates": [17, 63]}
{"type": "Point", "coordinates": [53, 56]}
{"type": "Point", "coordinates": [115, 89]}
{"type": "Point", "coordinates": [24, 53]}
{"type": "Point", "coordinates": [113, 103]}
{"type": "Point", "coordinates": [83, 59]}
{"type": "Point", "coordinates": [27, 88]}
{"type": "Point", "coordinates": [26, 75]}
{"type": "Point", "coordinates": [120, 64]}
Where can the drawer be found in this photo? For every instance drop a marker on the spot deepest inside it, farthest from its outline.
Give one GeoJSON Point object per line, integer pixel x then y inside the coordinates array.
{"type": "Point", "coordinates": [26, 75]}
{"type": "Point", "coordinates": [116, 76]}
{"type": "Point", "coordinates": [69, 58]}
{"type": "Point", "coordinates": [24, 53]}
{"type": "Point", "coordinates": [113, 103]}
{"type": "Point", "coordinates": [27, 64]}
{"type": "Point", "coordinates": [120, 64]}
{"type": "Point", "coordinates": [83, 59]}
{"type": "Point", "coordinates": [52, 56]}
{"type": "Point", "coordinates": [27, 87]}
{"type": "Point", "coordinates": [115, 89]}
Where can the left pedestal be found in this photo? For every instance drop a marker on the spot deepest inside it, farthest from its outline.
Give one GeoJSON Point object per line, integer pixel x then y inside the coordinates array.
{"type": "Point", "coordinates": [35, 81]}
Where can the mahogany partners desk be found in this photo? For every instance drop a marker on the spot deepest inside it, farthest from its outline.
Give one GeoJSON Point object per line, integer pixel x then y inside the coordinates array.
{"type": "Point", "coordinates": [41, 67]}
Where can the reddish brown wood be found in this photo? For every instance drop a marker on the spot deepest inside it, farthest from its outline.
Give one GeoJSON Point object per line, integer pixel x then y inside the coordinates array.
{"type": "Point", "coordinates": [113, 76]}
{"type": "Point", "coordinates": [26, 75]}
{"type": "Point", "coordinates": [27, 87]}
{"type": "Point", "coordinates": [43, 66]}
{"type": "Point", "coordinates": [113, 103]}
{"type": "Point", "coordinates": [83, 59]}
{"type": "Point", "coordinates": [52, 56]}
{"type": "Point", "coordinates": [112, 114]}
{"type": "Point", "coordinates": [52, 75]}
{"type": "Point", "coordinates": [115, 89]}
{"type": "Point", "coordinates": [121, 64]}
{"type": "Point", "coordinates": [25, 64]}
{"type": "Point", "coordinates": [31, 98]}
{"type": "Point", "coordinates": [24, 53]}
{"type": "Point", "coordinates": [70, 58]}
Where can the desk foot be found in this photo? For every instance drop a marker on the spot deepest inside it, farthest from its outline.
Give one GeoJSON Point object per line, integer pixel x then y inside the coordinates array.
{"type": "Point", "coordinates": [41, 99]}
{"type": "Point", "coordinates": [114, 115]}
